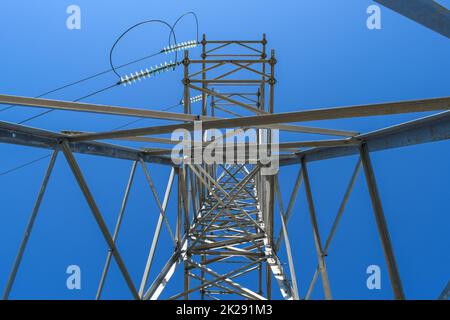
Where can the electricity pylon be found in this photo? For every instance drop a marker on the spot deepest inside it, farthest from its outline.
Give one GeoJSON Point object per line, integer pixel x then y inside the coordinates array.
{"type": "Point", "coordinates": [225, 239]}
{"type": "Point", "coordinates": [231, 234]}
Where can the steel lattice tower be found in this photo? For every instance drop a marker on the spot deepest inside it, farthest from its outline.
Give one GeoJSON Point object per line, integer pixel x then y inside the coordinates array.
{"type": "Point", "coordinates": [231, 235]}
{"type": "Point", "coordinates": [225, 238]}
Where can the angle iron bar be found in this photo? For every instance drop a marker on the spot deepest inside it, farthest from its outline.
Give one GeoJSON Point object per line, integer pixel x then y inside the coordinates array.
{"type": "Point", "coordinates": [97, 215]}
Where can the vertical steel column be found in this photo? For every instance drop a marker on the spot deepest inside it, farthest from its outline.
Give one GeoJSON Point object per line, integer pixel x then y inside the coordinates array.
{"type": "Point", "coordinates": [317, 241]}
{"type": "Point", "coordinates": [381, 223]}
{"type": "Point", "coordinates": [186, 100]}
{"type": "Point", "coordinates": [192, 189]}
{"type": "Point", "coordinates": [98, 217]}
{"type": "Point", "coordinates": [179, 235]}
{"type": "Point", "coordinates": [263, 85]}
{"type": "Point", "coordinates": [116, 230]}
{"type": "Point", "coordinates": [158, 202]}
{"type": "Point", "coordinates": [290, 206]}
{"type": "Point", "coordinates": [269, 194]}
{"type": "Point", "coordinates": [180, 223]}
{"type": "Point", "coordinates": [268, 200]}
{"type": "Point", "coordinates": [213, 104]}
{"type": "Point", "coordinates": [29, 226]}
{"type": "Point", "coordinates": [272, 81]}
{"type": "Point", "coordinates": [156, 234]}
{"type": "Point", "coordinates": [204, 86]}
{"type": "Point", "coordinates": [262, 107]}
{"type": "Point", "coordinates": [287, 241]}
{"type": "Point", "coordinates": [204, 99]}
{"type": "Point", "coordinates": [336, 223]}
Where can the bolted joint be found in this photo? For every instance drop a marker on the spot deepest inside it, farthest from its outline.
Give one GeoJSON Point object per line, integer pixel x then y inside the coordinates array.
{"type": "Point", "coordinates": [186, 81]}
{"type": "Point", "coordinates": [272, 81]}
{"type": "Point", "coordinates": [263, 56]}
{"type": "Point", "coordinates": [272, 61]}
{"type": "Point", "coordinates": [203, 56]}
{"type": "Point", "coordinates": [141, 156]}
{"type": "Point", "coordinates": [356, 140]}
{"type": "Point", "coordinates": [186, 61]}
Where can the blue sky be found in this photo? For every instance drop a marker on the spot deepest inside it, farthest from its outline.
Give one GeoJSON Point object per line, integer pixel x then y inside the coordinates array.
{"type": "Point", "coordinates": [326, 57]}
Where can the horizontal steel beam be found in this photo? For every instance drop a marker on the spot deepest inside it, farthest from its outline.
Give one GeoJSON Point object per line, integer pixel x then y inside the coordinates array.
{"type": "Point", "coordinates": [226, 243]}
{"type": "Point", "coordinates": [243, 149]}
{"type": "Point", "coordinates": [136, 139]}
{"type": "Point", "coordinates": [26, 136]}
{"type": "Point", "coordinates": [143, 113]}
{"type": "Point", "coordinates": [95, 108]}
{"type": "Point", "coordinates": [299, 116]}
{"type": "Point", "coordinates": [424, 130]}
{"type": "Point", "coordinates": [428, 13]}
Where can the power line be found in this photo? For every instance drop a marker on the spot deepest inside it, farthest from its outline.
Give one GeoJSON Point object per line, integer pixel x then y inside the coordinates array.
{"type": "Point", "coordinates": [76, 100]}
{"type": "Point", "coordinates": [90, 77]}
{"type": "Point", "coordinates": [196, 23]}
{"type": "Point", "coordinates": [140, 119]}
{"type": "Point", "coordinates": [112, 69]}
{"type": "Point", "coordinates": [24, 165]}
{"type": "Point", "coordinates": [171, 34]}
{"type": "Point", "coordinates": [82, 98]}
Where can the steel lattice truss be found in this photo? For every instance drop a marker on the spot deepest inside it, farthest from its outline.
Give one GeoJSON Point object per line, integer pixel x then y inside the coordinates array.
{"type": "Point", "coordinates": [224, 238]}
